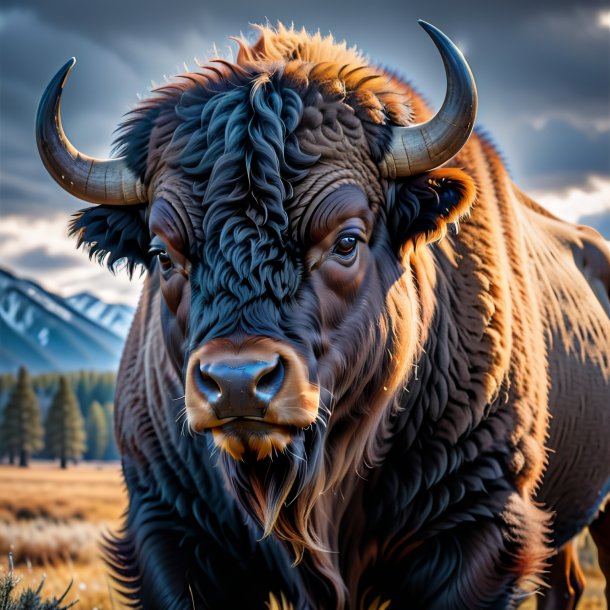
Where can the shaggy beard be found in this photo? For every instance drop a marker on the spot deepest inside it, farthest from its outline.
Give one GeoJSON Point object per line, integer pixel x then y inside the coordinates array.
{"type": "Point", "coordinates": [286, 495]}
{"type": "Point", "coordinates": [279, 493]}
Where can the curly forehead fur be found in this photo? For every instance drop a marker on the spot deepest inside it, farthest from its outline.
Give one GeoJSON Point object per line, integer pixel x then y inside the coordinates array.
{"type": "Point", "coordinates": [294, 56]}
{"type": "Point", "coordinates": [231, 130]}
{"type": "Point", "coordinates": [342, 70]}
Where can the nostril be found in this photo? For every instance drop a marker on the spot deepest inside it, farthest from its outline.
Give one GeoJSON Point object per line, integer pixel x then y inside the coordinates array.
{"type": "Point", "coordinates": [269, 384]}
{"type": "Point", "coordinates": [207, 385]}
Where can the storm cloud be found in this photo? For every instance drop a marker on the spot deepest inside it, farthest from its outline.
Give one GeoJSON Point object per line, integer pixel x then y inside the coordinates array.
{"type": "Point", "coordinates": [40, 258]}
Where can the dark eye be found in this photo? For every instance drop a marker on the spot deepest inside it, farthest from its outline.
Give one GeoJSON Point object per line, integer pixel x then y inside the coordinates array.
{"type": "Point", "coordinates": [346, 247]}
{"type": "Point", "coordinates": [165, 261]}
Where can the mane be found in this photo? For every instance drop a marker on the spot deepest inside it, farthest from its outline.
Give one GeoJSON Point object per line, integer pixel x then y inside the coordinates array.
{"type": "Point", "coordinates": [339, 68]}
{"type": "Point", "coordinates": [379, 96]}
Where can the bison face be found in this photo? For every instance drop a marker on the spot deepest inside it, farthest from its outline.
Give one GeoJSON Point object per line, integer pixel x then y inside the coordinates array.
{"type": "Point", "coordinates": [281, 311]}
{"type": "Point", "coordinates": [277, 207]}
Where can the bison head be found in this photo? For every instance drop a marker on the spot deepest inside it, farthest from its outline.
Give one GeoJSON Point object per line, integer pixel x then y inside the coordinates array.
{"type": "Point", "coordinates": [280, 204]}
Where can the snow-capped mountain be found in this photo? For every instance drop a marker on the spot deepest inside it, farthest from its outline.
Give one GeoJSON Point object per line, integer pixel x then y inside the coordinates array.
{"type": "Point", "coordinates": [45, 332]}
{"type": "Point", "coordinates": [115, 317]}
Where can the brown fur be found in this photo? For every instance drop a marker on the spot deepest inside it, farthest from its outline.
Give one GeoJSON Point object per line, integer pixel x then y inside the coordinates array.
{"type": "Point", "coordinates": [474, 341]}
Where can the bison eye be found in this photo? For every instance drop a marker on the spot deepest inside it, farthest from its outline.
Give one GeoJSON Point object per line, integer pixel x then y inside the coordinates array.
{"type": "Point", "coordinates": [346, 247]}
{"type": "Point", "coordinates": [165, 261]}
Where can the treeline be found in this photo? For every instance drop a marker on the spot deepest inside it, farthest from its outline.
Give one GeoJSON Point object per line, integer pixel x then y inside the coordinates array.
{"type": "Point", "coordinates": [66, 417]}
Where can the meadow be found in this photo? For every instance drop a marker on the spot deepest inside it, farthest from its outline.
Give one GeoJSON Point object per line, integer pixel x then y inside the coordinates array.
{"type": "Point", "coordinates": [52, 521]}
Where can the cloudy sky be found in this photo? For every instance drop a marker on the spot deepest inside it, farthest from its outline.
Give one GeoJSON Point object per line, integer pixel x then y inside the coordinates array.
{"type": "Point", "coordinates": [542, 69]}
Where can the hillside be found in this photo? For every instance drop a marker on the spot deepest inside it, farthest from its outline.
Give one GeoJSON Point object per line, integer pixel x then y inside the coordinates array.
{"type": "Point", "coordinates": [46, 332]}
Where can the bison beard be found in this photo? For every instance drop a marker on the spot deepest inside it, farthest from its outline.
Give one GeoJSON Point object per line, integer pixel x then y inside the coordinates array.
{"type": "Point", "coordinates": [273, 490]}
{"type": "Point", "coordinates": [397, 460]}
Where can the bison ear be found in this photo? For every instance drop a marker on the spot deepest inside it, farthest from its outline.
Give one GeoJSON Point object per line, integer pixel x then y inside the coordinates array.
{"type": "Point", "coordinates": [423, 206]}
{"type": "Point", "coordinates": [113, 235]}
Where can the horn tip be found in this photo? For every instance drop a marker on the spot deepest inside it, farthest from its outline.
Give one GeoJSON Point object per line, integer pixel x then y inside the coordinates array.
{"type": "Point", "coordinates": [68, 65]}
{"type": "Point", "coordinates": [63, 72]}
{"type": "Point", "coordinates": [434, 32]}
{"type": "Point", "coordinates": [426, 26]}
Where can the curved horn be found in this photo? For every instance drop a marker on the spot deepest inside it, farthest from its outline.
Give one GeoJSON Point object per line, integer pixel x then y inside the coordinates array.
{"type": "Point", "coordinates": [107, 181]}
{"type": "Point", "coordinates": [420, 148]}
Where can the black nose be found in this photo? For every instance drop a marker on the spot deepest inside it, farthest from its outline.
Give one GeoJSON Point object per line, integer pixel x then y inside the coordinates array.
{"type": "Point", "coordinates": [240, 388]}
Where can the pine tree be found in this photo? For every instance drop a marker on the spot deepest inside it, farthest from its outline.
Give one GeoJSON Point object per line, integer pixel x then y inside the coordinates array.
{"type": "Point", "coordinates": [65, 426]}
{"type": "Point", "coordinates": [109, 387]}
{"type": "Point", "coordinates": [81, 385]}
{"type": "Point", "coordinates": [22, 432]}
{"type": "Point", "coordinates": [7, 382]}
{"type": "Point", "coordinates": [5, 440]}
{"type": "Point", "coordinates": [97, 432]}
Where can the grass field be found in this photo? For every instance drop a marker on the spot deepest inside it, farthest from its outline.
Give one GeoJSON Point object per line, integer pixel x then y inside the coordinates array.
{"type": "Point", "coordinates": [52, 521]}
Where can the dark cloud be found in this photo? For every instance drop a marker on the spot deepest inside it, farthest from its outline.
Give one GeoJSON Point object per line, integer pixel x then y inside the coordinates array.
{"type": "Point", "coordinates": [113, 17]}
{"type": "Point", "coordinates": [544, 64]}
{"type": "Point", "coordinates": [14, 196]}
{"type": "Point", "coordinates": [599, 221]}
{"type": "Point", "coordinates": [558, 155]}
{"type": "Point", "coordinates": [32, 51]}
{"type": "Point", "coordinates": [41, 259]}
{"type": "Point", "coordinates": [25, 186]}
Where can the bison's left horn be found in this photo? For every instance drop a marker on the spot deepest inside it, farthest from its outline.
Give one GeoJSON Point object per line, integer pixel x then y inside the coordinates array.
{"type": "Point", "coordinates": [421, 148]}
{"type": "Point", "coordinates": [107, 181]}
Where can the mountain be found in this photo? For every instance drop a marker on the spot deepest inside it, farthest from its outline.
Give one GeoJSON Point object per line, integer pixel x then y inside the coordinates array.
{"type": "Point", "coordinates": [46, 332]}
{"type": "Point", "coordinates": [115, 317]}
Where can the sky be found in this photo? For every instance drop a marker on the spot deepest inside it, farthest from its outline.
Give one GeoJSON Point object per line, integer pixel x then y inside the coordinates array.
{"type": "Point", "coordinates": [542, 70]}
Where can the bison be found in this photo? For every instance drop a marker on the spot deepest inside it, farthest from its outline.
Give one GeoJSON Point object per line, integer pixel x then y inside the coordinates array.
{"type": "Point", "coordinates": [334, 393]}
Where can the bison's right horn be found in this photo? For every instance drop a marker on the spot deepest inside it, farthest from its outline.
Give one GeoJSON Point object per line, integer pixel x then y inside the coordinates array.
{"type": "Point", "coordinates": [107, 181]}
{"type": "Point", "coordinates": [420, 148]}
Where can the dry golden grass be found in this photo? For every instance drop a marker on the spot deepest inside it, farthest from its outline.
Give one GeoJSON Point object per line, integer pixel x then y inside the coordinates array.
{"type": "Point", "coordinates": [91, 585]}
{"type": "Point", "coordinates": [91, 492]}
{"type": "Point", "coordinates": [42, 541]}
{"type": "Point", "coordinates": [52, 520]}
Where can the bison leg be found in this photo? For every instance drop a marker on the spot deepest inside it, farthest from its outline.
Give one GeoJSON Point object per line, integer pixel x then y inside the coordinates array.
{"type": "Point", "coordinates": [600, 532]}
{"type": "Point", "coordinates": [565, 579]}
